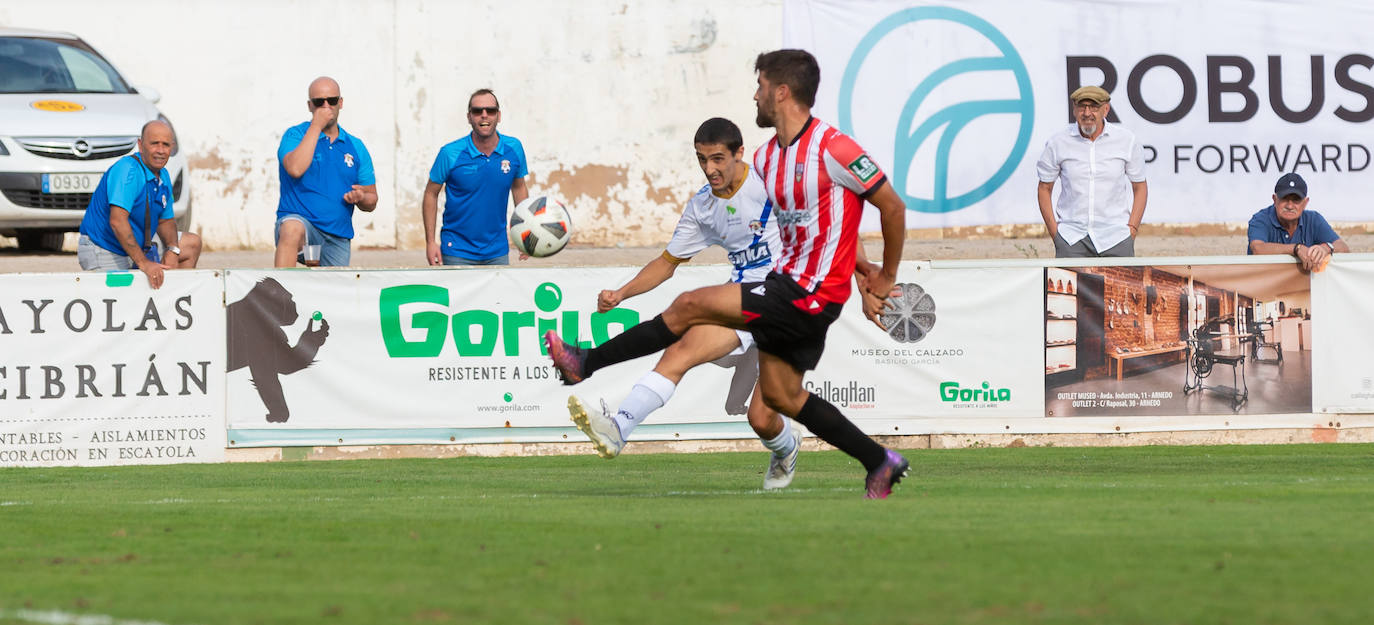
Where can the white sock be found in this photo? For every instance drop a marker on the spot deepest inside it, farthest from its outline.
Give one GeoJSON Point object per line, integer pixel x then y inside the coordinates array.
{"type": "Point", "coordinates": [648, 394]}
{"type": "Point", "coordinates": [782, 444]}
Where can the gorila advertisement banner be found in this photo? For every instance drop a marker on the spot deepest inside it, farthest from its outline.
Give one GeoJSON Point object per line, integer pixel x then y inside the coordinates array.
{"type": "Point", "coordinates": [392, 351]}
{"type": "Point", "coordinates": [955, 100]}
{"type": "Point", "coordinates": [100, 369]}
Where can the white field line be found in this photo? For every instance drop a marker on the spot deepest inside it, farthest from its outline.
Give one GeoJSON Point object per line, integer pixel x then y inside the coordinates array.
{"type": "Point", "coordinates": [54, 617]}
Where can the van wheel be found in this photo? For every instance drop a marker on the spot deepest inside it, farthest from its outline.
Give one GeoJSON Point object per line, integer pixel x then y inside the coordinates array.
{"type": "Point", "coordinates": [40, 240]}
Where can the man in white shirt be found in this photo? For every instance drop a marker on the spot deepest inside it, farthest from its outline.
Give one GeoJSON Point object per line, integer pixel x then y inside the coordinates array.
{"type": "Point", "coordinates": [1102, 167]}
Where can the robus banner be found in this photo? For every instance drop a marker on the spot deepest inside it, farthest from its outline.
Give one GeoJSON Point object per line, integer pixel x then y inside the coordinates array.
{"type": "Point", "coordinates": [955, 100]}
{"type": "Point", "coordinates": [99, 369]}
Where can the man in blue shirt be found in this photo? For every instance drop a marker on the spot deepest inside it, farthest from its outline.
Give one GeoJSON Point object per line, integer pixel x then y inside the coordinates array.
{"type": "Point", "coordinates": [479, 174]}
{"type": "Point", "coordinates": [116, 232]}
{"type": "Point", "coordinates": [1287, 227]}
{"type": "Point", "coordinates": [321, 182]}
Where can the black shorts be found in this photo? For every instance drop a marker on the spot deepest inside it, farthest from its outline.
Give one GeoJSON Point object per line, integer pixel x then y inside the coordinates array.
{"type": "Point", "coordinates": [786, 320]}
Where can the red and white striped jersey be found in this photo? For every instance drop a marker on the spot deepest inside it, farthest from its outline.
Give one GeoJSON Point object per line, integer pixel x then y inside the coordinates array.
{"type": "Point", "coordinates": [818, 184]}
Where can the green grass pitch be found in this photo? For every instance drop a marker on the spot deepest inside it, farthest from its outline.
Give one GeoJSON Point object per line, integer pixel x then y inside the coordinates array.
{"type": "Point", "coordinates": [1154, 535]}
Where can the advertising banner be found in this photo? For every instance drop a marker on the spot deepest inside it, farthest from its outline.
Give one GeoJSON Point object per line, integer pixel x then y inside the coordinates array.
{"type": "Point", "coordinates": [408, 354]}
{"type": "Point", "coordinates": [961, 342]}
{"type": "Point", "coordinates": [955, 100]}
{"type": "Point", "coordinates": [1343, 346]}
{"type": "Point", "coordinates": [330, 357]}
{"type": "Point", "coordinates": [1178, 340]}
{"type": "Point", "coordinates": [99, 369]}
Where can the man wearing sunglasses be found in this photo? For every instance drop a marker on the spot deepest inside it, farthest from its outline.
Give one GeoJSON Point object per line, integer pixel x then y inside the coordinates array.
{"type": "Point", "coordinates": [479, 175]}
{"type": "Point", "coordinates": [325, 173]}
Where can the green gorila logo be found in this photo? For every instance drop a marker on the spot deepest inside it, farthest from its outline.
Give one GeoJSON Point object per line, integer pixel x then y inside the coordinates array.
{"type": "Point", "coordinates": [950, 391]}
{"type": "Point", "coordinates": [420, 309]}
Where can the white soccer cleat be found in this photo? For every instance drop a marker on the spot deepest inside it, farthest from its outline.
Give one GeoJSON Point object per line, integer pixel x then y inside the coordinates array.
{"type": "Point", "coordinates": [781, 470]}
{"type": "Point", "coordinates": [600, 428]}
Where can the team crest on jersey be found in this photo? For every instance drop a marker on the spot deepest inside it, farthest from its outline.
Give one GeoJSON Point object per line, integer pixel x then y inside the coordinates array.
{"type": "Point", "coordinates": [801, 171]}
{"type": "Point", "coordinates": [756, 226]}
{"type": "Point", "coordinates": [348, 160]}
{"type": "Point", "coordinates": [505, 167]}
{"type": "Point", "coordinates": [863, 168]}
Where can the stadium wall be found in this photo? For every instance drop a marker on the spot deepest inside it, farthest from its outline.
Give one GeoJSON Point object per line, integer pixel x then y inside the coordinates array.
{"type": "Point", "coordinates": [604, 94]}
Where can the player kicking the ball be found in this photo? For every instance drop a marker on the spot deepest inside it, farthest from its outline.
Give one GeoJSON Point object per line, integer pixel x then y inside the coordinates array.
{"type": "Point", "coordinates": [731, 211]}
{"type": "Point", "coordinates": [817, 179]}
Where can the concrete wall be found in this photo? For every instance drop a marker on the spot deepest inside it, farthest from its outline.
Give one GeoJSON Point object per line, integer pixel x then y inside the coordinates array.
{"type": "Point", "coordinates": [604, 94]}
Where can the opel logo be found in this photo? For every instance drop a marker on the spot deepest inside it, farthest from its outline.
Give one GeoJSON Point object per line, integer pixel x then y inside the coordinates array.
{"type": "Point", "coordinates": [81, 148]}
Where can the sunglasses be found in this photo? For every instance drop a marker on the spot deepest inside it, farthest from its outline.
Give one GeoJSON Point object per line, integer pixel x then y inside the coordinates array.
{"type": "Point", "coordinates": [333, 101]}
{"type": "Point", "coordinates": [489, 110]}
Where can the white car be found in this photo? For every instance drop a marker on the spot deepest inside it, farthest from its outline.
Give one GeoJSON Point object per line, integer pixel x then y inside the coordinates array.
{"type": "Point", "coordinates": [65, 116]}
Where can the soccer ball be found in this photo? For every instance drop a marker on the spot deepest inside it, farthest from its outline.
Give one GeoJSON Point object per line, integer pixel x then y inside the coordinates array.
{"type": "Point", "coordinates": [540, 226]}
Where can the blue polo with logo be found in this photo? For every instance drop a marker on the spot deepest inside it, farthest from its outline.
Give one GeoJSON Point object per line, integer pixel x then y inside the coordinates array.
{"type": "Point", "coordinates": [1312, 229]}
{"type": "Point", "coordinates": [132, 186]}
{"type": "Point", "coordinates": [476, 191]}
{"type": "Point", "coordinates": [318, 194]}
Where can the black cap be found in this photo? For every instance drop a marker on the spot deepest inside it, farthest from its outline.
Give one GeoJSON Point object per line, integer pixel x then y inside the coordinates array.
{"type": "Point", "coordinates": [1291, 184]}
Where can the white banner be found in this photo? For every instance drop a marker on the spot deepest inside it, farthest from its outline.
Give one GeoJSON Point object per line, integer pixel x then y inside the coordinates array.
{"type": "Point", "coordinates": [99, 369]}
{"type": "Point", "coordinates": [955, 100]}
{"type": "Point", "coordinates": [1343, 344]}
{"type": "Point", "coordinates": [412, 356]}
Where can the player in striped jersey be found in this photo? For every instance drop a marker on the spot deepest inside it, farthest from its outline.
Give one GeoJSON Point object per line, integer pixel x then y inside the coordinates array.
{"type": "Point", "coordinates": [734, 212]}
{"type": "Point", "coordinates": [818, 179]}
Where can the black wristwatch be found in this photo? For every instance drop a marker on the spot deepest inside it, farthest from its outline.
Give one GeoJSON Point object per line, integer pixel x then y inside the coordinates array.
{"type": "Point", "coordinates": [1295, 249]}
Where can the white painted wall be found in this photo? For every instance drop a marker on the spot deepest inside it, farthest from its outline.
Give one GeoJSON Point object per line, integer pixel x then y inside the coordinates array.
{"type": "Point", "coordinates": [604, 94]}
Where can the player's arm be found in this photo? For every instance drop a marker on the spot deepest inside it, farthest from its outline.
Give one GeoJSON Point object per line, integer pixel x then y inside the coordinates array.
{"type": "Point", "coordinates": [872, 304]}
{"type": "Point", "coordinates": [653, 274]}
{"type": "Point", "coordinates": [892, 219]}
{"type": "Point", "coordinates": [167, 231]}
{"type": "Point", "coordinates": [518, 191]}
{"type": "Point", "coordinates": [429, 214]}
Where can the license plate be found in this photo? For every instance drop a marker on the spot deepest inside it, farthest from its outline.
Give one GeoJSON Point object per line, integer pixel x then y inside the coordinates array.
{"type": "Point", "coordinates": [70, 183]}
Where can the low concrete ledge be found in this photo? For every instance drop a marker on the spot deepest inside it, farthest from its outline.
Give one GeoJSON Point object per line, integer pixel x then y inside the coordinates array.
{"type": "Point", "coordinates": [1277, 436]}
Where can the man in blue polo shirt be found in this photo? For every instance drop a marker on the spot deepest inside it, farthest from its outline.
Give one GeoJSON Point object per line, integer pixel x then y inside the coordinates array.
{"type": "Point", "coordinates": [117, 230]}
{"type": "Point", "coordinates": [1287, 227]}
{"type": "Point", "coordinates": [479, 174]}
{"type": "Point", "coordinates": [321, 182]}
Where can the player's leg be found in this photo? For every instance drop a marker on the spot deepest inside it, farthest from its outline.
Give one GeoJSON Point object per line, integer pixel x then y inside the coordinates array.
{"type": "Point", "coordinates": [781, 383]}
{"type": "Point", "coordinates": [715, 305]}
{"type": "Point", "coordinates": [780, 437]}
{"type": "Point", "coordinates": [609, 431]}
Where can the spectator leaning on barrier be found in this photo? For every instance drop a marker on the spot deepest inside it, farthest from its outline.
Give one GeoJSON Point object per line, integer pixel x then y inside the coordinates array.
{"type": "Point", "coordinates": [479, 174]}
{"type": "Point", "coordinates": [1287, 227]}
{"type": "Point", "coordinates": [321, 182]}
{"type": "Point", "coordinates": [1098, 163]}
{"type": "Point", "coordinates": [132, 200]}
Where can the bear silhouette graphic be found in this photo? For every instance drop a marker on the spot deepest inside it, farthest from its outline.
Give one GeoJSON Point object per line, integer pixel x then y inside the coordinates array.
{"type": "Point", "coordinates": [257, 340]}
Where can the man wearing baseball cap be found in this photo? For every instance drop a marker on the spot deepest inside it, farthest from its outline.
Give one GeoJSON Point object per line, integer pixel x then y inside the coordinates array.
{"type": "Point", "coordinates": [1287, 227]}
{"type": "Point", "coordinates": [1103, 169]}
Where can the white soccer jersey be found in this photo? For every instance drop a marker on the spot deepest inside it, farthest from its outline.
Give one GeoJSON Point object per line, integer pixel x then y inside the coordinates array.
{"type": "Point", "coordinates": [743, 224]}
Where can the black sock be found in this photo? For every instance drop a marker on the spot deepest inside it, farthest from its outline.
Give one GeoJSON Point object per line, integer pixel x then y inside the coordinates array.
{"type": "Point", "coordinates": [641, 340]}
{"type": "Point", "coordinates": [824, 420]}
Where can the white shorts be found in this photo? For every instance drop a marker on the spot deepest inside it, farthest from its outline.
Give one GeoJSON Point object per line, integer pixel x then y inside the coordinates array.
{"type": "Point", "coordinates": [746, 341]}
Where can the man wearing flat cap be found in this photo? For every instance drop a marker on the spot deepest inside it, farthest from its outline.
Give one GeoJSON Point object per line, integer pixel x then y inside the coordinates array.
{"type": "Point", "coordinates": [1287, 227]}
{"type": "Point", "coordinates": [1102, 168]}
